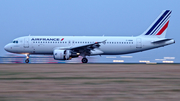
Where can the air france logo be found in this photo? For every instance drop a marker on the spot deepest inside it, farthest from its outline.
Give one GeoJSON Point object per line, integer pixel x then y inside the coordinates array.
{"type": "Point", "coordinates": [46, 39]}
{"type": "Point", "coordinates": [62, 39]}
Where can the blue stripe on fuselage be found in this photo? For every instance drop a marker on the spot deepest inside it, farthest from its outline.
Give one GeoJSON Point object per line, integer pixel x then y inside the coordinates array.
{"type": "Point", "coordinates": [157, 22]}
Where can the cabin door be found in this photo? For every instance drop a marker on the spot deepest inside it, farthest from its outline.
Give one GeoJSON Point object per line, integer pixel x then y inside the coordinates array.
{"type": "Point", "coordinates": [26, 42]}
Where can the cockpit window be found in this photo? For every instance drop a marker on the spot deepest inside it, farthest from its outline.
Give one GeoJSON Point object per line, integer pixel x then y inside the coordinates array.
{"type": "Point", "coordinates": [15, 41]}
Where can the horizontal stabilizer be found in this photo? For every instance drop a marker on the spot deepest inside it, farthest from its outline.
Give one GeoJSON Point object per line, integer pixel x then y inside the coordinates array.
{"type": "Point", "coordinates": [161, 41]}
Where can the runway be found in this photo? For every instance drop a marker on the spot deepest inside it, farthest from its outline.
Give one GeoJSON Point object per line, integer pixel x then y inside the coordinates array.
{"type": "Point", "coordinates": [89, 82]}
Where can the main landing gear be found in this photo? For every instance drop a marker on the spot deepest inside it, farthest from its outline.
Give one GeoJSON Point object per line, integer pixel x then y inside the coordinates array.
{"type": "Point", "coordinates": [27, 58]}
{"type": "Point", "coordinates": [84, 60]}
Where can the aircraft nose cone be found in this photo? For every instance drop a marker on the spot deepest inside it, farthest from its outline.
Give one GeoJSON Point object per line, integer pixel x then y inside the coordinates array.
{"type": "Point", "coordinates": [6, 47]}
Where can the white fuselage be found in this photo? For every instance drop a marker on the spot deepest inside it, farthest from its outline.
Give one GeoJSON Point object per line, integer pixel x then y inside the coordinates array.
{"type": "Point", "coordinates": [112, 46]}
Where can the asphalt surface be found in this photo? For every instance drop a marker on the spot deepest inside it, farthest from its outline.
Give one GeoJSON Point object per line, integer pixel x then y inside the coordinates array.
{"type": "Point", "coordinates": [89, 82]}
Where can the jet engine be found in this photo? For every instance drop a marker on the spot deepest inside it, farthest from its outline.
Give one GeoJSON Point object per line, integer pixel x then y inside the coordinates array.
{"type": "Point", "coordinates": [64, 54]}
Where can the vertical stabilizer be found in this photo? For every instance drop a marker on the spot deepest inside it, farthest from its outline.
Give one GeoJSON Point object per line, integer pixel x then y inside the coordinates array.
{"type": "Point", "coordinates": [159, 27]}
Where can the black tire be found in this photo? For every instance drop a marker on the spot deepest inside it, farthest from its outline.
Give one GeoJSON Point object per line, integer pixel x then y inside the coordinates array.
{"type": "Point", "coordinates": [84, 60]}
{"type": "Point", "coordinates": [27, 60]}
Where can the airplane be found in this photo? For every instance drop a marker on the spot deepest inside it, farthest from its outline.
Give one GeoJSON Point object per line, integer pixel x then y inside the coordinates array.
{"type": "Point", "coordinates": [68, 47]}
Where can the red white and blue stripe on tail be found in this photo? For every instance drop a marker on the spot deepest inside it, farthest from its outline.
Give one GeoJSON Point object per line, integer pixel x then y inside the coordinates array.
{"type": "Point", "coordinates": [160, 25]}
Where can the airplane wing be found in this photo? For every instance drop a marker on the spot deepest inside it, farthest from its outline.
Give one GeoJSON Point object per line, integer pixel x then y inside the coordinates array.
{"type": "Point", "coordinates": [88, 46]}
{"type": "Point", "coordinates": [83, 48]}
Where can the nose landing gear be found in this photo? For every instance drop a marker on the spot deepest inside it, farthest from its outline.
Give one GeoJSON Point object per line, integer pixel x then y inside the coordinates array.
{"type": "Point", "coordinates": [27, 58]}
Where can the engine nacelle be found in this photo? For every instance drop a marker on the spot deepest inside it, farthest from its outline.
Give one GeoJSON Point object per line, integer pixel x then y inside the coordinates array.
{"type": "Point", "coordinates": [67, 54]}
{"type": "Point", "coordinates": [64, 54]}
{"type": "Point", "coordinates": [59, 54]}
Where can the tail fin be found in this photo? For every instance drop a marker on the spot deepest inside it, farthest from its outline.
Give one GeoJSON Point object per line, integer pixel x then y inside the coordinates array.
{"type": "Point", "coordinates": [159, 26]}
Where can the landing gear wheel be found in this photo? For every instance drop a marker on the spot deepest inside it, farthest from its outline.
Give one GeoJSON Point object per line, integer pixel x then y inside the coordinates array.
{"type": "Point", "coordinates": [84, 60]}
{"type": "Point", "coordinates": [27, 60]}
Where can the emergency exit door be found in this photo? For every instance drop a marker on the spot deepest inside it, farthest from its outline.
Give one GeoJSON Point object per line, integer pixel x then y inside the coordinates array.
{"type": "Point", "coordinates": [138, 43]}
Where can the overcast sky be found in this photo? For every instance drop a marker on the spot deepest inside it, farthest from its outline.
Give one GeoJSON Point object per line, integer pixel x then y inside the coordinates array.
{"type": "Point", "coordinates": [88, 18]}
